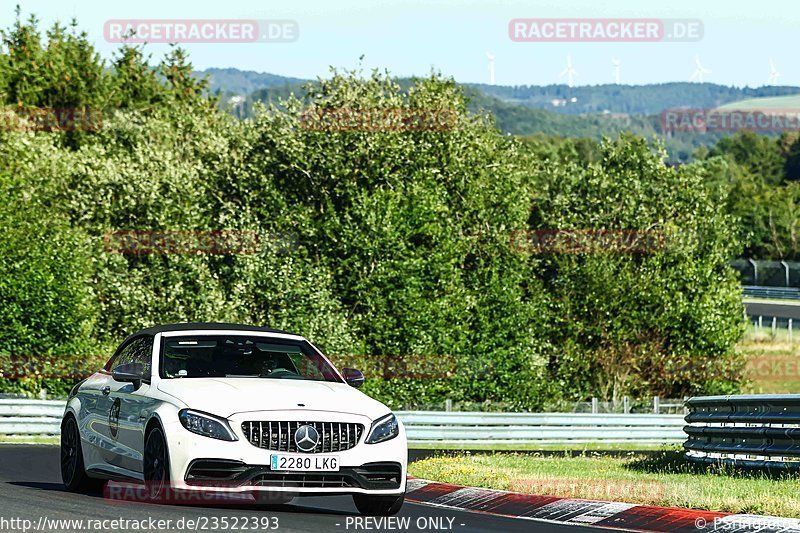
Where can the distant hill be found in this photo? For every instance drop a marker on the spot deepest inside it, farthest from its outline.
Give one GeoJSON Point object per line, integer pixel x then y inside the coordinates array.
{"type": "Point", "coordinates": [597, 111]}
{"type": "Point", "coordinates": [243, 82]}
{"type": "Point", "coordinates": [590, 99]}
{"type": "Point", "coordinates": [521, 120]}
{"type": "Point", "coordinates": [629, 99]}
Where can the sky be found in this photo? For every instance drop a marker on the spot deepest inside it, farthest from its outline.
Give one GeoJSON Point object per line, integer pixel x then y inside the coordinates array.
{"type": "Point", "coordinates": [453, 37]}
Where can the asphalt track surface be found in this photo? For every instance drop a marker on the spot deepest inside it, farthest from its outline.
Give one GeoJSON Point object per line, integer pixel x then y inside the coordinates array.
{"type": "Point", "coordinates": [773, 309]}
{"type": "Point", "coordinates": [30, 488]}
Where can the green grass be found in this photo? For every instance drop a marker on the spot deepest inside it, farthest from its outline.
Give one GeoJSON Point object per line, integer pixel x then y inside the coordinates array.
{"type": "Point", "coordinates": [773, 362]}
{"type": "Point", "coordinates": [664, 479]}
{"type": "Point", "coordinates": [773, 102]}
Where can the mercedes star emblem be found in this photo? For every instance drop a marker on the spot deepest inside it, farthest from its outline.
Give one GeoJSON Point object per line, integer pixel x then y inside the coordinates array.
{"type": "Point", "coordinates": [306, 438]}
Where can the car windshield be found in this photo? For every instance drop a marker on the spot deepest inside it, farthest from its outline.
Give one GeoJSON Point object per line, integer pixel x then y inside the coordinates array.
{"type": "Point", "coordinates": [243, 356]}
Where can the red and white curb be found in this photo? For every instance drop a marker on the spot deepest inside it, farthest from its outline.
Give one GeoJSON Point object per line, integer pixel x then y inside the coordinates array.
{"type": "Point", "coordinates": [611, 515]}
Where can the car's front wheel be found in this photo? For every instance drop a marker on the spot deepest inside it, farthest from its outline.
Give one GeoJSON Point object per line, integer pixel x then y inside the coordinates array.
{"type": "Point", "coordinates": [378, 505]}
{"type": "Point", "coordinates": [73, 472]}
{"type": "Point", "coordinates": [156, 463]}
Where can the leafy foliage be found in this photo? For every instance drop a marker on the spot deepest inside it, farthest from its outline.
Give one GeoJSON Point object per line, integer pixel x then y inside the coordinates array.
{"type": "Point", "coordinates": [385, 241]}
{"type": "Point", "coordinates": [626, 322]}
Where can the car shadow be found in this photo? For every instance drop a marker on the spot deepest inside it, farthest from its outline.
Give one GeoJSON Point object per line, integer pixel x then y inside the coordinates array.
{"type": "Point", "coordinates": [43, 485]}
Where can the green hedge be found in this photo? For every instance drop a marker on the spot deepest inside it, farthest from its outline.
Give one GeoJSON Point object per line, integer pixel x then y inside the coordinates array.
{"type": "Point", "coordinates": [399, 239]}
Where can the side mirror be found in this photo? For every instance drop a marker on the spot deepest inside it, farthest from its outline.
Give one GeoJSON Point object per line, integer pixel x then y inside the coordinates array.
{"type": "Point", "coordinates": [129, 373]}
{"type": "Point", "coordinates": [353, 377]}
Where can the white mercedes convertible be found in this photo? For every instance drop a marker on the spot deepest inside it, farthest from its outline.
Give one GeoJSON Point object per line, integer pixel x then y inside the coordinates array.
{"type": "Point", "coordinates": [237, 409]}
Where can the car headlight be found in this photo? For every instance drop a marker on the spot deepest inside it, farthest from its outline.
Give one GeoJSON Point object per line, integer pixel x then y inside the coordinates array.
{"type": "Point", "coordinates": [206, 425]}
{"type": "Point", "coordinates": [383, 429]}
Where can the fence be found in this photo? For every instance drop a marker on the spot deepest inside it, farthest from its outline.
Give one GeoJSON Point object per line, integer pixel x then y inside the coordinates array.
{"type": "Point", "coordinates": [778, 293]}
{"type": "Point", "coordinates": [771, 325]}
{"type": "Point", "coordinates": [39, 417]}
{"type": "Point", "coordinates": [768, 273]}
{"type": "Point", "coordinates": [760, 431]}
{"type": "Point", "coordinates": [625, 405]}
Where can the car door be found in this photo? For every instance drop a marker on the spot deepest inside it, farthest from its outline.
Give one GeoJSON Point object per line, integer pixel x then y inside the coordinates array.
{"type": "Point", "coordinates": [93, 418]}
{"type": "Point", "coordinates": [96, 404]}
{"type": "Point", "coordinates": [117, 420]}
{"type": "Point", "coordinates": [135, 405]}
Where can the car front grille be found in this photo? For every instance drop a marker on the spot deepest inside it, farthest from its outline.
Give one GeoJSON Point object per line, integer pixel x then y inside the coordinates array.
{"type": "Point", "coordinates": [279, 436]}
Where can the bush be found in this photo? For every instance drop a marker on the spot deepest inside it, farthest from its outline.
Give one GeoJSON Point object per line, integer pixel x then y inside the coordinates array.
{"type": "Point", "coordinates": [45, 272]}
{"type": "Point", "coordinates": [650, 319]}
{"type": "Point", "coordinates": [386, 235]}
{"type": "Point", "coordinates": [413, 226]}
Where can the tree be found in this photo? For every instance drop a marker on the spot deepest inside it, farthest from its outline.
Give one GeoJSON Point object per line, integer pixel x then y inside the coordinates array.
{"type": "Point", "coordinates": [792, 165]}
{"type": "Point", "coordinates": [759, 154]}
{"type": "Point", "coordinates": [45, 290]}
{"type": "Point", "coordinates": [648, 289]}
{"type": "Point", "coordinates": [414, 226]}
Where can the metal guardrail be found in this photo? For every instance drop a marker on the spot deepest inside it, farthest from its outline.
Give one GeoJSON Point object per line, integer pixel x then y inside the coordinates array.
{"type": "Point", "coordinates": [39, 417]}
{"type": "Point", "coordinates": [455, 428]}
{"type": "Point", "coordinates": [759, 431]}
{"type": "Point", "coordinates": [30, 417]}
{"type": "Point", "coordinates": [781, 293]}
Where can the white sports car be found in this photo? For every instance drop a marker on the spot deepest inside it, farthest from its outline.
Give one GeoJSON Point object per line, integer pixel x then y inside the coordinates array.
{"type": "Point", "coordinates": [226, 407]}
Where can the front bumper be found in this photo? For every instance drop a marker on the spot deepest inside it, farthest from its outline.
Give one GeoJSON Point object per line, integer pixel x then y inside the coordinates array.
{"type": "Point", "coordinates": [199, 463]}
{"type": "Point", "coordinates": [370, 476]}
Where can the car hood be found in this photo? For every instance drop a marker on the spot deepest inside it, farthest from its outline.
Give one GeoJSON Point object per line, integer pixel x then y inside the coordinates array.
{"type": "Point", "coordinates": [228, 396]}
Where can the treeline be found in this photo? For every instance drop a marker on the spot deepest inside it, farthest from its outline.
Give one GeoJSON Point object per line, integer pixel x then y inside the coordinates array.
{"type": "Point", "coordinates": [411, 243]}
{"type": "Point", "coordinates": [649, 99]}
{"type": "Point", "coordinates": [753, 178]}
{"type": "Point", "coordinates": [510, 116]}
{"type": "Point", "coordinates": [760, 179]}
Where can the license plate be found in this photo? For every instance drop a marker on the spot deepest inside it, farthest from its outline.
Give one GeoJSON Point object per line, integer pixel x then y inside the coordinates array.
{"type": "Point", "coordinates": [305, 463]}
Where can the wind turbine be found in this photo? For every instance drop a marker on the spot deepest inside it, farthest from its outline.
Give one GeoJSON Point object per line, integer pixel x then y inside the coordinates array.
{"type": "Point", "coordinates": [616, 63]}
{"type": "Point", "coordinates": [699, 71]}
{"type": "Point", "coordinates": [569, 71]}
{"type": "Point", "coordinates": [490, 57]}
{"type": "Point", "coordinates": [773, 73]}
